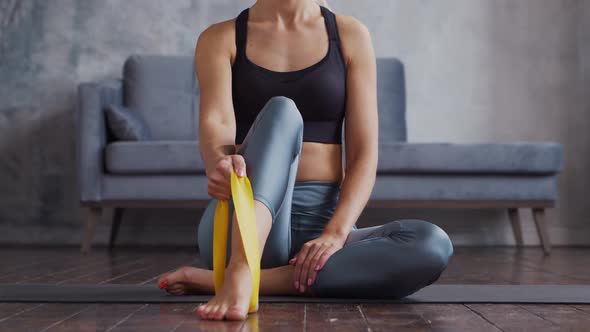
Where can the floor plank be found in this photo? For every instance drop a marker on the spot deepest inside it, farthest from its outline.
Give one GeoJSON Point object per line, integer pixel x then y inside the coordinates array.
{"type": "Point", "coordinates": [98, 317]}
{"type": "Point", "coordinates": [424, 317]}
{"type": "Point", "coordinates": [57, 261]}
{"type": "Point", "coordinates": [9, 310]}
{"type": "Point", "coordinates": [511, 266]}
{"type": "Point", "coordinates": [583, 307]}
{"type": "Point", "coordinates": [337, 317]}
{"type": "Point", "coordinates": [113, 270]}
{"type": "Point", "coordinates": [152, 272]}
{"type": "Point", "coordinates": [566, 317]}
{"type": "Point", "coordinates": [281, 316]}
{"type": "Point", "coordinates": [144, 266]}
{"type": "Point", "coordinates": [42, 317]}
{"type": "Point", "coordinates": [158, 317]}
{"type": "Point", "coordinates": [69, 270]}
{"type": "Point", "coordinates": [508, 317]}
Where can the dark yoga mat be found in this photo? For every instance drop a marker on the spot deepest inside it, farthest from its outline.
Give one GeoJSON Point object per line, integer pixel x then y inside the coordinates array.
{"type": "Point", "coordinates": [432, 294]}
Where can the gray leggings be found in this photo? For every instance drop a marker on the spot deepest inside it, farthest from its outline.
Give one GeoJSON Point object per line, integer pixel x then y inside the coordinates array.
{"type": "Point", "coordinates": [387, 261]}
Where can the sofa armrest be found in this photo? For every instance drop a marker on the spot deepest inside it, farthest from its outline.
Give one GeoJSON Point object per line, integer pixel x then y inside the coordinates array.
{"type": "Point", "coordinates": [91, 134]}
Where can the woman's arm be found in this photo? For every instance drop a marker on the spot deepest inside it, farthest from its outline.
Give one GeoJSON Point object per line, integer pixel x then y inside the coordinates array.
{"type": "Point", "coordinates": [361, 132]}
{"type": "Point", "coordinates": [361, 135]}
{"type": "Point", "coordinates": [216, 119]}
{"type": "Point", "coordinates": [217, 126]}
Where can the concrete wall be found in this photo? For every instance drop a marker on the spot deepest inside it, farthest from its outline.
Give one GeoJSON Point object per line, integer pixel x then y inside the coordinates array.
{"type": "Point", "coordinates": [509, 70]}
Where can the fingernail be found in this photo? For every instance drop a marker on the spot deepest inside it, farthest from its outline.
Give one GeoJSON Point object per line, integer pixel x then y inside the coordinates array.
{"type": "Point", "coordinates": [317, 267]}
{"type": "Point", "coordinates": [302, 289]}
{"type": "Point", "coordinates": [241, 172]}
{"type": "Point", "coordinates": [309, 282]}
{"type": "Point", "coordinates": [162, 284]}
{"type": "Point", "coordinates": [296, 284]}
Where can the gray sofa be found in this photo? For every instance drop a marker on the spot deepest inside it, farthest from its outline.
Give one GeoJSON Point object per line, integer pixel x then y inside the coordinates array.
{"type": "Point", "coordinates": [167, 170]}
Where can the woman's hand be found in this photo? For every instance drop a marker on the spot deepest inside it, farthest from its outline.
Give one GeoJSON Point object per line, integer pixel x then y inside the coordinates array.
{"type": "Point", "coordinates": [312, 257]}
{"type": "Point", "coordinates": [218, 180]}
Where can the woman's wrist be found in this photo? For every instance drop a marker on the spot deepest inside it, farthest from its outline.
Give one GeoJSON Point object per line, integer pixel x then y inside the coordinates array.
{"type": "Point", "coordinates": [217, 154]}
{"type": "Point", "coordinates": [337, 231]}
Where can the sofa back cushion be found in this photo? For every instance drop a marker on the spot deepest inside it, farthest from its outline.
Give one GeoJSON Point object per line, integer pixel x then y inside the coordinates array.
{"type": "Point", "coordinates": [391, 96]}
{"type": "Point", "coordinates": [164, 90]}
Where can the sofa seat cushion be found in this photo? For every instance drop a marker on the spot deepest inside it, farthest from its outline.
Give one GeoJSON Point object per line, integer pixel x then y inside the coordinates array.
{"type": "Point", "coordinates": [464, 187]}
{"type": "Point", "coordinates": [495, 158]}
{"type": "Point", "coordinates": [154, 157]}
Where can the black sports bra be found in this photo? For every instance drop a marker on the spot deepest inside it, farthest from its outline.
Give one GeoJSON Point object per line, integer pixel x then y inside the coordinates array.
{"type": "Point", "coordinates": [319, 91]}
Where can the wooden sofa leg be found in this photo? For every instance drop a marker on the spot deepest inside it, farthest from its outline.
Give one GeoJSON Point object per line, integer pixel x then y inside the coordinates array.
{"type": "Point", "coordinates": [540, 222]}
{"type": "Point", "coordinates": [117, 216]}
{"type": "Point", "coordinates": [516, 229]}
{"type": "Point", "coordinates": [92, 218]}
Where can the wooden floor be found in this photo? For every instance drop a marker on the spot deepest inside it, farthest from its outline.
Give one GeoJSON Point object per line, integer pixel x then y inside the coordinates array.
{"type": "Point", "coordinates": [469, 265]}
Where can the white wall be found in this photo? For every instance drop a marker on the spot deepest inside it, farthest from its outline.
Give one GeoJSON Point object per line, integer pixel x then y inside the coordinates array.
{"type": "Point", "coordinates": [477, 70]}
{"type": "Point", "coordinates": [499, 71]}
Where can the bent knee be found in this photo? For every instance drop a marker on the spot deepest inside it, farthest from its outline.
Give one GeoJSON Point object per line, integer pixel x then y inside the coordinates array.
{"type": "Point", "coordinates": [281, 122]}
{"type": "Point", "coordinates": [282, 111]}
{"type": "Point", "coordinates": [281, 102]}
{"type": "Point", "coordinates": [439, 246]}
{"type": "Point", "coordinates": [434, 242]}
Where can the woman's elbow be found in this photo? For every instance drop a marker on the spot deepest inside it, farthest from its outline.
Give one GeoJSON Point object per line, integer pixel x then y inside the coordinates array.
{"type": "Point", "coordinates": [366, 159]}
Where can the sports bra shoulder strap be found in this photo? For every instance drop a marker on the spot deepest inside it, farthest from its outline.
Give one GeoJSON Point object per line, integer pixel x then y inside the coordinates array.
{"type": "Point", "coordinates": [330, 18]}
{"type": "Point", "coordinates": [241, 30]}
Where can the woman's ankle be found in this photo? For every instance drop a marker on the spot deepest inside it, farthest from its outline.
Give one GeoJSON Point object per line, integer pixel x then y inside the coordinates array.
{"type": "Point", "coordinates": [237, 262]}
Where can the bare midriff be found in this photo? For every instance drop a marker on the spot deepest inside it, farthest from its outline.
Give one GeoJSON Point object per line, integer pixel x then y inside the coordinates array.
{"type": "Point", "coordinates": [319, 162]}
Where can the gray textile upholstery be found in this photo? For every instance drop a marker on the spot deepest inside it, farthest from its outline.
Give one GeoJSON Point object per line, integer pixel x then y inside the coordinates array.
{"type": "Point", "coordinates": [164, 90]}
{"type": "Point", "coordinates": [491, 158]}
{"type": "Point", "coordinates": [468, 187]}
{"type": "Point", "coordinates": [92, 134]}
{"type": "Point", "coordinates": [154, 187]}
{"type": "Point", "coordinates": [125, 125]}
{"type": "Point", "coordinates": [391, 98]}
{"type": "Point", "coordinates": [154, 157]}
{"type": "Point", "coordinates": [394, 158]}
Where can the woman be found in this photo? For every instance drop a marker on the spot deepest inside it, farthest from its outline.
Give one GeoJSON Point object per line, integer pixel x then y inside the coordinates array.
{"type": "Point", "coordinates": [276, 84]}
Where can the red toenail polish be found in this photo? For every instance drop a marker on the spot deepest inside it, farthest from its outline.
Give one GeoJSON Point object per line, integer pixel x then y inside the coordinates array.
{"type": "Point", "coordinates": [162, 284]}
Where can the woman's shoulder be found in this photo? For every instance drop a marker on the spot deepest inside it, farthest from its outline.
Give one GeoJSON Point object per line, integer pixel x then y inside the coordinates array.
{"type": "Point", "coordinates": [219, 31]}
{"type": "Point", "coordinates": [218, 37]}
{"type": "Point", "coordinates": [353, 34]}
{"type": "Point", "coordinates": [350, 27]}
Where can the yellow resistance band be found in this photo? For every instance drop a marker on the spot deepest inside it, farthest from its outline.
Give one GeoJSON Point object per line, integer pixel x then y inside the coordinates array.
{"type": "Point", "coordinates": [243, 199]}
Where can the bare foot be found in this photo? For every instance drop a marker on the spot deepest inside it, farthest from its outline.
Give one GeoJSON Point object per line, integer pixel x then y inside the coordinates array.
{"type": "Point", "coordinates": [187, 280]}
{"type": "Point", "coordinates": [233, 299]}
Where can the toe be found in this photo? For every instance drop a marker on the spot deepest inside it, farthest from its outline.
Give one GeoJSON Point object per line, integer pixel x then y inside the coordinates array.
{"type": "Point", "coordinates": [220, 312]}
{"type": "Point", "coordinates": [206, 310]}
{"type": "Point", "coordinates": [162, 281]}
{"type": "Point", "coordinates": [212, 312]}
{"type": "Point", "coordinates": [236, 313]}
{"type": "Point", "coordinates": [177, 276]}
{"type": "Point", "coordinates": [200, 309]}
